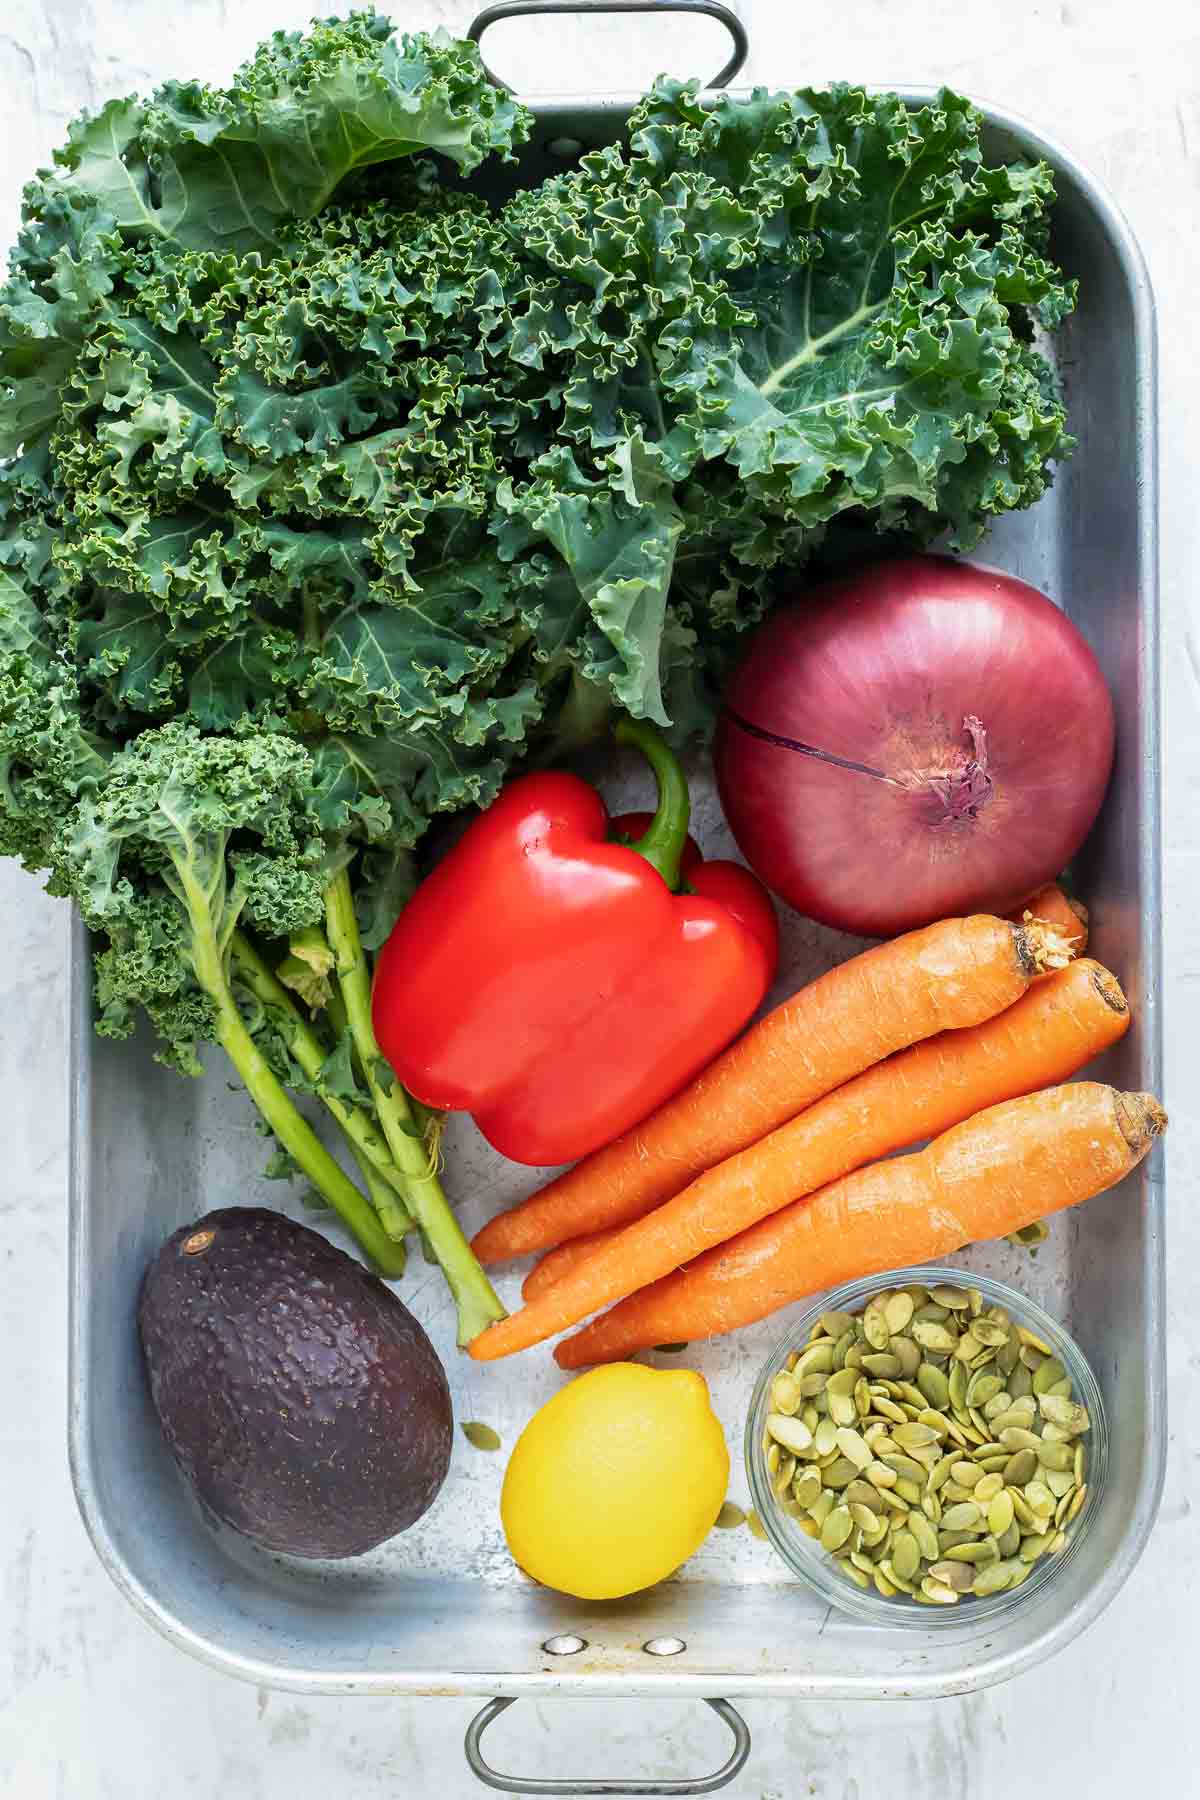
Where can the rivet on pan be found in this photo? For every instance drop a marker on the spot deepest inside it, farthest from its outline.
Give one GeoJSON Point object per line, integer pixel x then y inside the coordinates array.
{"type": "Point", "coordinates": [564, 146]}
{"type": "Point", "coordinates": [664, 1646]}
{"type": "Point", "coordinates": [566, 1645]}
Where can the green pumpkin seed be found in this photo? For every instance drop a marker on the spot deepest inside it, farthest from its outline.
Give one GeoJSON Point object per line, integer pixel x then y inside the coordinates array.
{"type": "Point", "coordinates": [840, 1473]}
{"type": "Point", "coordinates": [938, 1592]}
{"type": "Point", "coordinates": [865, 1517]}
{"type": "Point", "coordinates": [931, 1506]}
{"type": "Point", "coordinates": [1035, 1546]}
{"type": "Point", "coordinates": [1076, 1506]}
{"type": "Point", "coordinates": [1010, 1542]}
{"type": "Point", "coordinates": [842, 1348]}
{"type": "Point", "coordinates": [854, 1447]}
{"type": "Point", "coordinates": [1068, 1415]}
{"type": "Point", "coordinates": [837, 1528]}
{"type": "Point", "coordinates": [1058, 1457]}
{"type": "Point", "coordinates": [1039, 1498]}
{"type": "Point", "coordinates": [793, 1434]}
{"type": "Point", "coordinates": [887, 1570]}
{"type": "Point", "coordinates": [914, 1436]}
{"type": "Point", "coordinates": [1025, 1515]}
{"type": "Point", "coordinates": [875, 1326]}
{"type": "Point", "coordinates": [825, 1437]}
{"type": "Point", "coordinates": [1000, 1513]}
{"type": "Point", "coordinates": [931, 1336]}
{"type": "Point", "coordinates": [1021, 1467]}
{"type": "Point", "coordinates": [906, 1469]}
{"type": "Point", "coordinates": [952, 1493]}
{"type": "Point", "coordinates": [925, 1535]}
{"type": "Point", "coordinates": [968, 1347]}
{"type": "Point", "coordinates": [821, 1507]}
{"type": "Point", "coordinates": [785, 1394]}
{"type": "Point", "coordinates": [933, 1386]}
{"type": "Point", "coordinates": [806, 1486]}
{"type": "Point", "coordinates": [481, 1437]}
{"type": "Point", "coordinates": [956, 1575]}
{"type": "Point", "coordinates": [995, 1465]}
{"type": "Point", "coordinates": [977, 1553]}
{"type": "Point", "coordinates": [884, 1586]}
{"type": "Point", "coordinates": [899, 1309]}
{"type": "Point", "coordinates": [966, 1474]}
{"type": "Point", "coordinates": [812, 1385]}
{"type": "Point", "coordinates": [882, 1362]}
{"type": "Point", "coordinates": [958, 1382]}
{"type": "Point", "coordinates": [889, 1409]}
{"type": "Point", "coordinates": [990, 1333]}
{"type": "Point", "coordinates": [880, 1476]}
{"type": "Point", "coordinates": [955, 1298]}
{"type": "Point", "coordinates": [892, 1500]}
{"type": "Point", "coordinates": [1008, 1356]}
{"type": "Point", "coordinates": [1015, 1437]}
{"type": "Point", "coordinates": [816, 1360]}
{"type": "Point", "coordinates": [965, 1516]}
{"type": "Point", "coordinates": [855, 1575]}
{"type": "Point", "coordinates": [992, 1580]}
{"type": "Point", "coordinates": [1033, 1341]}
{"type": "Point", "coordinates": [1020, 1383]}
{"type": "Point", "coordinates": [908, 1352]}
{"type": "Point", "coordinates": [757, 1528]}
{"type": "Point", "coordinates": [1048, 1372]}
{"type": "Point", "coordinates": [905, 1555]}
{"type": "Point", "coordinates": [835, 1323]}
{"type": "Point", "coordinates": [730, 1517]}
{"type": "Point", "coordinates": [862, 1398]}
{"type": "Point", "coordinates": [982, 1391]}
{"type": "Point", "coordinates": [986, 1488]}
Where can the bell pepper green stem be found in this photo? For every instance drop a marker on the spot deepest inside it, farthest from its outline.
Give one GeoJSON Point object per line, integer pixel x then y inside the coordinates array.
{"type": "Point", "coordinates": [663, 843]}
{"type": "Point", "coordinates": [475, 1298]}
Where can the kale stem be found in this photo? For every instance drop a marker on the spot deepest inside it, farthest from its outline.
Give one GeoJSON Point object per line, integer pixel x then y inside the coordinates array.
{"type": "Point", "coordinates": [360, 1130]}
{"type": "Point", "coordinates": [474, 1295]}
{"type": "Point", "coordinates": [269, 1095]}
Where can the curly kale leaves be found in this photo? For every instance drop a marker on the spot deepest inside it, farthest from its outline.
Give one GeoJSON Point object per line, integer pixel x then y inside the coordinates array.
{"type": "Point", "coordinates": [359, 482]}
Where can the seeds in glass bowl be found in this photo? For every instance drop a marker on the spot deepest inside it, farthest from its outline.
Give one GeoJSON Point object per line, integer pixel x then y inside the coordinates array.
{"type": "Point", "coordinates": [937, 1453]}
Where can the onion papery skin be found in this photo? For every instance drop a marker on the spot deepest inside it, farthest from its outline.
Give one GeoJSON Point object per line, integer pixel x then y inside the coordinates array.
{"type": "Point", "coordinates": [954, 737]}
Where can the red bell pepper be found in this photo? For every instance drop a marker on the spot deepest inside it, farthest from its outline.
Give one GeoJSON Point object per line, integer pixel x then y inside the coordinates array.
{"type": "Point", "coordinates": [560, 986]}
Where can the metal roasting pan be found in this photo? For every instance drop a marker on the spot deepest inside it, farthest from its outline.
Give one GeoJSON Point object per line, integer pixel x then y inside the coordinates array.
{"type": "Point", "coordinates": [441, 1610]}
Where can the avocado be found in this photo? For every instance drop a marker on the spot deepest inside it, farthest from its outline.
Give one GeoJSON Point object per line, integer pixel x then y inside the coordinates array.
{"type": "Point", "coordinates": [303, 1402]}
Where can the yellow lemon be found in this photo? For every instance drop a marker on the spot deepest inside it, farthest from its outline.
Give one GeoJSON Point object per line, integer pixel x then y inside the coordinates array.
{"type": "Point", "coordinates": [615, 1481]}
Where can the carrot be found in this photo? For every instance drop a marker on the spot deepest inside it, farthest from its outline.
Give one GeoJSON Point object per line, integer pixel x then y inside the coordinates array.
{"type": "Point", "coordinates": [953, 974]}
{"type": "Point", "coordinates": [1052, 907]}
{"type": "Point", "coordinates": [1062, 1023]}
{"type": "Point", "coordinates": [1059, 1025]}
{"type": "Point", "coordinates": [989, 1176]}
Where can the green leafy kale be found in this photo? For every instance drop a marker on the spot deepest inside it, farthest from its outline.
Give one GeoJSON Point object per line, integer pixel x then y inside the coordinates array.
{"type": "Point", "coordinates": [329, 491]}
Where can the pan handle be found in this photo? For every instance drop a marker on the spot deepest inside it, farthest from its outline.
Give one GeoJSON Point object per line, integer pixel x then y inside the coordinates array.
{"type": "Point", "coordinates": [520, 1784]}
{"type": "Point", "coordinates": [712, 9]}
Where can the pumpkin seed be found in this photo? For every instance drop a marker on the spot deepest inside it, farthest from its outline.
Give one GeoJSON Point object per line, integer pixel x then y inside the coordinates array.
{"type": "Point", "coordinates": [1041, 1500]}
{"type": "Point", "coordinates": [1015, 1437]}
{"type": "Point", "coordinates": [840, 1473]}
{"type": "Point", "coordinates": [855, 1575]}
{"type": "Point", "coordinates": [481, 1437]}
{"type": "Point", "coordinates": [982, 1390]}
{"type": "Point", "coordinates": [1058, 1457]}
{"type": "Point", "coordinates": [1021, 1467]}
{"type": "Point", "coordinates": [914, 1436]}
{"type": "Point", "coordinates": [854, 1447]}
{"type": "Point", "coordinates": [966, 1474]}
{"type": "Point", "coordinates": [862, 1398]}
{"type": "Point", "coordinates": [899, 1309]}
{"type": "Point", "coordinates": [1076, 1506]}
{"type": "Point", "coordinates": [882, 1362]}
{"type": "Point", "coordinates": [958, 1381]}
{"type": "Point", "coordinates": [931, 1506]}
{"type": "Point", "coordinates": [806, 1486]}
{"type": "Point", "coordinates": [757, 1528]}
{"type": "Point", "coordinates": [955, 1298]}
{"type": "Point", "coordinates": [987, 1487]}
{"type": "Point", "coordinates": [1068, 1415]}
{"type": "Point", "coordinates": [1036, 1545]}
{"type": "Point", "coordinates": [730, 1517]}
{"type": "Point", "coordinates": [925, 1535]}
{"type": "Point", "coordinates": [965, 1516]}
{"type": "Point", "coordinates": [884, 1586]}
{"type": "Point", "coordinates": [990, 1333]}
{"type": "Point", "coordinates": [821, 1507]}
{"type": "Point", "coordinates": [1033, 1341]}
{"type": "Point", "coordinates": [905, 1468]}
{"type": "Point", "coordinates": [968, 1346]}
{"type": "Point", "coordinates": [880, 1476]}
{"type": "Point", "coordinates": [842, 1348]}
{"type": "Point", "coordinates": [812, 1385]}
{"type": "Point", "coordinates": [889, 1574]}
{"type": "Point", "coordinates": [875, 1325]}
{"type": "Point", "coordinates": [1010, 1542]}
{"type": "Point", "coordinates": [977, 1554]}
{"type": "Point", "coordinates": [956, 1575]}
{"type": "Point", "coordinates": [867, 1520]}
{"type": "Point", "coordinates": [835, 1323]}
{"type": "Point", "coordinates": [931, 1336]}
{"type": "Point", "coordinates": [860, 1493]}
{"type": "Point", "coordinates": [825, 1437]}
{"type": "Point", "coordinates": [809, 1527]}
{"type": "Point", "coordinates": [837, 1528]}
{"type": "Point", "coordinates": [793, 1434]}
{"type": "Point", "coordinates": [1020, 1383]}
{"type": "Point", "coordinates": [933, 1386]}
{"type": "Point", "coordinates": [1025, 1515]}
{"type": "Point", "coordinates": [785, 1394]}
{"type": "Point", "coordinates": [893, 1501]}
{"type": "Point", "coordinates": [1000, 1513]}
{"type": "Point", "coordinates": [1048, 1371]}
{"type": "Point", "coordinates": [816, 1360]}
{"type": "Point", "coordinates": [992, 1580]}
{"type": "Point", "coordinates": [938, 1592]}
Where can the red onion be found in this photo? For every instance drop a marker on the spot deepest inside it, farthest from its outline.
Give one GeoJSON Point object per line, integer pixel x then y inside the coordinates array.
{"type": "Point", "coordinates": [923, 739]}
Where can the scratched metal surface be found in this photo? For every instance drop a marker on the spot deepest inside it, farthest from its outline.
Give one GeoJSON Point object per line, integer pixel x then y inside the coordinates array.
{"type": "Point", "coordinates": [75, 1664]}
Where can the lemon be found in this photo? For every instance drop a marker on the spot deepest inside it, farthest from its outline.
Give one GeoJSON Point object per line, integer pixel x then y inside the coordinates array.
{"type": "Point", "coordinates": [615, 1481]}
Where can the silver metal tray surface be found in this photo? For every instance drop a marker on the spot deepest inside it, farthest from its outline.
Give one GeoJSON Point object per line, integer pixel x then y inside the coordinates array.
{"type": "Point", "coordinates": [442, 1610]}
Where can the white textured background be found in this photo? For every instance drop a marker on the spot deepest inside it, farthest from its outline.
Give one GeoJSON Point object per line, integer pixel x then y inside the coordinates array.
{"type": "Point", "coordinates": [92, 1703]}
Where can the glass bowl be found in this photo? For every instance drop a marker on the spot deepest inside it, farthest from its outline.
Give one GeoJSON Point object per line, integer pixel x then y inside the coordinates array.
{"type": "Point", "coordinates": [804, 1555]}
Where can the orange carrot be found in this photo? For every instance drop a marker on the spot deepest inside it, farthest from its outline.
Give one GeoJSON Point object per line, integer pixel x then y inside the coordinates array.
{"type": "Point", "coordinates": [987, 1177]}
{"type": "Point", "coordinates": [1062, 1023]}
{"type": "Point", "coordinates": [953, 974]}
{"type": "Point", "coordinates": [1053, 907]}
{"type": "Point", "coordinates": [1059, 1025]}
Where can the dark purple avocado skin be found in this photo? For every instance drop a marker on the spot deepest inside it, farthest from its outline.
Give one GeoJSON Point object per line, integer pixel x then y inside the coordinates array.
{"type": "Point", "coordinates": [303, 1402]}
